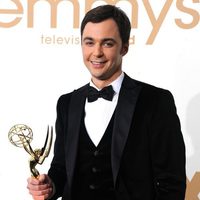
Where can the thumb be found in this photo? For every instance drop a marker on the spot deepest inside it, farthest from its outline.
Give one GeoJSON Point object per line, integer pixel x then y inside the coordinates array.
{"type": "Point", "coordinates": [43, 178]}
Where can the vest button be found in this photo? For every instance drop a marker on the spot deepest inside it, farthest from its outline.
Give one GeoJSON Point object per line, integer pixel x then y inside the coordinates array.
{"type": "Point", "coordinates": [92, 187]}
{"type": "Point", "coordinates": [94, 169]}
{"type": "Point", "coordinates": [96, 153]}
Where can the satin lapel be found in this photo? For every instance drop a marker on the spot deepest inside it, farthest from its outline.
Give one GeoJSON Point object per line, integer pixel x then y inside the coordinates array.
{"type": "Point", "coordinates": [76, 110]}
{"type": "Point", "coordinates": [123, 118]}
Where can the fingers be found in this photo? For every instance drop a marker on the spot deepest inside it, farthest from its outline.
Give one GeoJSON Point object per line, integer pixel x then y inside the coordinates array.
{"type": "Point", "coordinates": [41, 195]}
{"type": "Point", "coordinates": [40, 188]}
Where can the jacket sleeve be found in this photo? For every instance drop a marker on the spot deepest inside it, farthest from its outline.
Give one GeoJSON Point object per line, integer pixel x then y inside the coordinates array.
{"type": "Point", "coordinates": [167, 150]}
{"type": "Point", "coordinates": [57, 171]}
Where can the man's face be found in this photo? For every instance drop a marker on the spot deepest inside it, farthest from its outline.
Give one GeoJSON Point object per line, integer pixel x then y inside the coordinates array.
{"type": "Point", "coordinates": [103, 50]}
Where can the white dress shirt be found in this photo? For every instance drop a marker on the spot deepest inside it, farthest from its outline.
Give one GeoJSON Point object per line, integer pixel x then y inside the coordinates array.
{"type": "Point", "coordinates": [98, 113]}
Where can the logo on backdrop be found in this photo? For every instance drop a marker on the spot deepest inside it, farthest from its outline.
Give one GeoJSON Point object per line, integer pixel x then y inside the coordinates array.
{"type": "Point", "coordinates": [193, 188]}
{"type": "Point", "coordinates": [11, 17]}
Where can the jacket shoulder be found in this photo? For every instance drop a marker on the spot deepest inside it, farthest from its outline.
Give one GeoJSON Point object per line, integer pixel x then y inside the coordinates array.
{"type": "Point", "coordinates": [149, 89]}
{"type": "Point", "coordinates": [149, 93]}
{"type": "Point", "coordinates": [65, 98]}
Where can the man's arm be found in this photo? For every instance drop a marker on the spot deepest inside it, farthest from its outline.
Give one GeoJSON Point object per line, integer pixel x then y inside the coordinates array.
{"type": "Point", "coordinates": [167, 150]}
{"type": "Point", "coordinates": [57, 171]}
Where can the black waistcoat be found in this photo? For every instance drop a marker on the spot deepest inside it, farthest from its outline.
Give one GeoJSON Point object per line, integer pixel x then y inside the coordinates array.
{"type": "Point", "coordinates": [93, 174]}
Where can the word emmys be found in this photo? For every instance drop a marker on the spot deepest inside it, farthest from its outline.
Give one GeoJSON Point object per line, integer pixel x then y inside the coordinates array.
{"type": "Point", "coordinates": [156, 19]}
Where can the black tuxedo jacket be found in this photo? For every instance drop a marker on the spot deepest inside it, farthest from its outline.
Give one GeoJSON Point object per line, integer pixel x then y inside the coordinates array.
{"type": "Point", "coordinates": [147, 152]}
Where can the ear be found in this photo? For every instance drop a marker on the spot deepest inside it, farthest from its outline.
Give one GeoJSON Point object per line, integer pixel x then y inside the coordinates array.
{"type": "Point", "coordinates": [124, 49]}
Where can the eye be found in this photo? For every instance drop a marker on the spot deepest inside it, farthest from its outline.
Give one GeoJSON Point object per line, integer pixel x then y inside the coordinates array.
{"type": "Point", "coordinates": [89, 43]}
{"type": "Point", "coordinates": [108, 44]}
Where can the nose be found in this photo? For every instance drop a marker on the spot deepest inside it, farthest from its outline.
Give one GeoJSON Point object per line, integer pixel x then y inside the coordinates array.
{"type": "Point", "coordinates": [98, 51]}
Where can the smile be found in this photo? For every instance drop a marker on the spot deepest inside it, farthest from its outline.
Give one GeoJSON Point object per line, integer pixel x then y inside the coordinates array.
{"type": "Point", "coordinates": [98, 62]}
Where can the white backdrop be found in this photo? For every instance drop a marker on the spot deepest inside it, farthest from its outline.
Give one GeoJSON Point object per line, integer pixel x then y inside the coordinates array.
{"type": "Point", "coordinates": [38, 63]}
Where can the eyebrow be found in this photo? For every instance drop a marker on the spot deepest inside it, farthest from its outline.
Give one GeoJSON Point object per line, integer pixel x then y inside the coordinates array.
{"type": "Point", "coordinates": [103, 40]}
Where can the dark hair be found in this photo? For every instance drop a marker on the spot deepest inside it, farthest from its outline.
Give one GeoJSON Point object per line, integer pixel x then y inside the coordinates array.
{"type": "Point", "coordinates": [104, 12]}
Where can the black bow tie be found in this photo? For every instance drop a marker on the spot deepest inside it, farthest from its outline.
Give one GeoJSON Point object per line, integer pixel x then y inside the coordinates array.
{"type": "Point", "coordinates": [106, 93]}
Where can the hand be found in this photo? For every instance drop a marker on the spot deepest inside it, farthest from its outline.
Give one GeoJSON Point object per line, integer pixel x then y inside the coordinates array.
{"type": "Point", "coordinates": [40, 188]}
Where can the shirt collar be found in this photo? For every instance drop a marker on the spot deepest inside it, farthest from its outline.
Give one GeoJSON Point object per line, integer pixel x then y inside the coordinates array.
{"type": "Point", "coordinates": [116, 84]}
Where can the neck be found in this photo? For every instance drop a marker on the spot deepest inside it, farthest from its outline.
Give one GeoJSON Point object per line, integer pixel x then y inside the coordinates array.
{"type": "Point", "coordinates": [103, 83]}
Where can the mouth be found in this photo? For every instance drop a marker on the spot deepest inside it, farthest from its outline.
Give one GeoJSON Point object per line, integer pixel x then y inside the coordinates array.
{"type": "Point", "coordinates": [98, 63]}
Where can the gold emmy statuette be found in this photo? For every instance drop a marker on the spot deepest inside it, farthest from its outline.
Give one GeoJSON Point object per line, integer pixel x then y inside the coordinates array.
{"type": "Point", "coordinates": [21, 135]}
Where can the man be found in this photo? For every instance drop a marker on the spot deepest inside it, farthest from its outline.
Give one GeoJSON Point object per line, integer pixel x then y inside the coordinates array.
{"type": "Point", "coordinates": [128, 146]}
